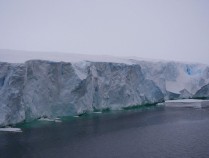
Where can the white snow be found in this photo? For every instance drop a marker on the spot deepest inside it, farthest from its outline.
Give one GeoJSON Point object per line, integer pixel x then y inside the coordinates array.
{"type": "Point", "coordinates": [10, 129]}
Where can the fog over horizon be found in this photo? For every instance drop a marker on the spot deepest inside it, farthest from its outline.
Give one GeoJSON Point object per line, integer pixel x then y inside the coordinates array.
{"type": "Point", "coordinates": [162, 29]}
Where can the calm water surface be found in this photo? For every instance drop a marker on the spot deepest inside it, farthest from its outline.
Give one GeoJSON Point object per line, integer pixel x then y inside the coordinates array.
{"type": "Point", "coordinates": [154, 133]}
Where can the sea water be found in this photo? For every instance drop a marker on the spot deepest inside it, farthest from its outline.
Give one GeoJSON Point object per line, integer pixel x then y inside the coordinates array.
{"type": "Point", "coordinates": [158, 132]}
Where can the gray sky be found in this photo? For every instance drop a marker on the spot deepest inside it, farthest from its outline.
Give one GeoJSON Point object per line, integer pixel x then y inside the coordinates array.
{"type": "Point", "coordinates": [160, 29]}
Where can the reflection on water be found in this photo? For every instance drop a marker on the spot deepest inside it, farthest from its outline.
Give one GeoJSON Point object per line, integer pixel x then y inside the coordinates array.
{"type": "Point", "coordinates": [157, 132]}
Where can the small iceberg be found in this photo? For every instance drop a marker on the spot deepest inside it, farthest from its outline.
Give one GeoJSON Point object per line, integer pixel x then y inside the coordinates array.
{"type": "Point", "coordinates": [10, 129]}
{"type": "Point", "coordinates": [50, 120]}
{"type": "Point", "coordinates": [192, 103]}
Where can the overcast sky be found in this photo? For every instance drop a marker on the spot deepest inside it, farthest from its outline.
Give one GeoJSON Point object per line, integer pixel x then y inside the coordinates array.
{"type": "Point", "coordinates": [159, 29]}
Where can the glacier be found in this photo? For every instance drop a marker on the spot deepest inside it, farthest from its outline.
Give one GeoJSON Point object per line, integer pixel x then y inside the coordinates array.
{"type": "Point", "coordinates": [40, 85]}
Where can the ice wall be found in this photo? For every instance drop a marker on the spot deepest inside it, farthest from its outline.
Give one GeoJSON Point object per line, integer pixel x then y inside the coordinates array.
{"type": "Point", "coordinates": [43, 88]}
{"type": "Point", "coordinates": [38, 88]}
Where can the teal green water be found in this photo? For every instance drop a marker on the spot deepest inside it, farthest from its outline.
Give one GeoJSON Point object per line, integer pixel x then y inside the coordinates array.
{"type": "Point", "coordinates": [107, 111]}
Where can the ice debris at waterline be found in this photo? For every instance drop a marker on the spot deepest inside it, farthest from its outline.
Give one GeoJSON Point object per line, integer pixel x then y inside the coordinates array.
{"type": "Point", "coordinates": [50, 120]}
{"type": "Point", "coordinates": [10, 129]}
{"type": "Point", "coordinates": [97, 112]}
{"type": "Point", "coordinates": [194, 103]}
{"type": "Point", "coordinates": [70, 85]}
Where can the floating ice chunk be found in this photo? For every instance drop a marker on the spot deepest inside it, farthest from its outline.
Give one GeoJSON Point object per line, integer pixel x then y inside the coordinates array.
{"type": "Point", "coordinates": [10, 129]}
{"type": "Point", "coordinates": [160, 104]}
{"type": "Point", "coordinates": [46, 119]}
{"type": "Point", "coordinates": [194, 103]}
{"type": "Point", "coordinates": [50, 120]}
{"type": "Point", "coordinates": [97, 112]}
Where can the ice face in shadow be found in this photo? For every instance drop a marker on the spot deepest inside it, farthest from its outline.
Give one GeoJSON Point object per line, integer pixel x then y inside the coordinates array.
{"type": "Point", "coordinates": [203, 92]}
{"type": "Point", "coordinates": [12, 108]}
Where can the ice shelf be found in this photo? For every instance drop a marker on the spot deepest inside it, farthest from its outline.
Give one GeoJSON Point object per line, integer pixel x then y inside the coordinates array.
{"type": "Point", "coordinates": [42, 85]}
{"type": "Point", "coordinates": [194, 103]}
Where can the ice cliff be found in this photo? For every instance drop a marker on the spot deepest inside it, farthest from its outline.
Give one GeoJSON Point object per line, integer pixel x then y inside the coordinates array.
{"type": "Point", "coordinates": [31, 89]}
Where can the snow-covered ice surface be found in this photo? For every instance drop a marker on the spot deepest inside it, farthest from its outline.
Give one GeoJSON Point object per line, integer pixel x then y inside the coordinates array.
{"type": "Point", "coordinates": [10, 129]}
{"type": "Point", "coordinates": [41, 84]}
{"type": "Point", "coordinates": [18, 56]}
{"type": "Point", "coordinates": [195, 103]}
